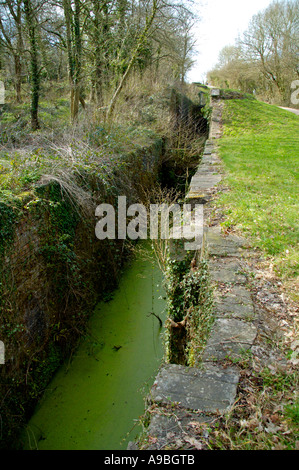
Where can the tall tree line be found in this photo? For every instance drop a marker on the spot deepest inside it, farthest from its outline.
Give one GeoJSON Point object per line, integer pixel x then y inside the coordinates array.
{"type": "Point", "coordinates": [264, 59]}
{"type": "Point", "coordinates": [95, 44]}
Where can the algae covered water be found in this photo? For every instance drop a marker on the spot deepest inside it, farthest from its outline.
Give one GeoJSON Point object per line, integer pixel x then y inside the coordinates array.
{"type": "Point", "coordinates": [95, 401]}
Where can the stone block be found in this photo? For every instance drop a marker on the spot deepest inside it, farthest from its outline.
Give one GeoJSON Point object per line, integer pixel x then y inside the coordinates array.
{"type": "Point", "coordinates": [229, 338]}
{"type": "Point", "coordinates": [208, 389]}
{"type": "Point", "coordinates": [226, 270]}
{"type": "Point", "coordinates": [233, 303]}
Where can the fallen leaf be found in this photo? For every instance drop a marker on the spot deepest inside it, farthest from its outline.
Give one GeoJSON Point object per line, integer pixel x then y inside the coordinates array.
{"type": "Point", "coordinates": [271, 428]}
{"type": "Point", "coordinates": [253, 424]}
{"type": "Point", "coordinates": [275, 418]}
{"type": "Point", "coordinates": [278, 447]}
{"type": "Point", "coordinates": [193, 442]}
{"type": "Point", "coordinates": [194, 424]}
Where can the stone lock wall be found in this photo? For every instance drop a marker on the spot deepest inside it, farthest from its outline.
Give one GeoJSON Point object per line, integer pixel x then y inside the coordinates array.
{"type": "Point", "coordinates": [53, 270]}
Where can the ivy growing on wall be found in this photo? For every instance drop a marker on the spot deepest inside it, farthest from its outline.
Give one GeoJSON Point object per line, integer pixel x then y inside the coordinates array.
{"type": "Point", "coordinates": [190, 301]}
{"type": "Point", "coordinates": [8, 218]}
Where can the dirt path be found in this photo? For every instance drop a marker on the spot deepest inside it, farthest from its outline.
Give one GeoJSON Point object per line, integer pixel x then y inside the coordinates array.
{"type": "Point", "coordinates": [292, 110]}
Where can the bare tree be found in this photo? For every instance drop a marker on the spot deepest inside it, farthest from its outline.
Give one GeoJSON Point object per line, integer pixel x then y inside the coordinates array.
{"type": "Point", "coordinates": [11, 38]}
{"type": "Point", "coordinates": [140, 42]}
{"type": "Point", "coordinates": [35, 70]}
{"type": "Point", "coordinates": [72, 14]}
{"type": "Point", "coordinates": [272, 42]}
{"type": "Point", "coordinates": [265, 58]}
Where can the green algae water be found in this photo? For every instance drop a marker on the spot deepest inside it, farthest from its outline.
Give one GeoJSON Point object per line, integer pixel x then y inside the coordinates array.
{"type": "Point", "coordinates": [95, 401]}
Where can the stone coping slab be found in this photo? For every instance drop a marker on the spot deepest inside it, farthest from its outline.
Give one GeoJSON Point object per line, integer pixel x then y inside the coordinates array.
{"type": "Point", "coordinates": [229, 337]}
{"type": "Point", "coordinates": [220, 245]}
{"type": "Point", "coordinates": [226, 270]}
{"type": "Point", "coordinates": [176, 422]}
{"type": "Point", "coordinates": [210, 389]}
{"type": "Point", "coordinates": [233, 303]}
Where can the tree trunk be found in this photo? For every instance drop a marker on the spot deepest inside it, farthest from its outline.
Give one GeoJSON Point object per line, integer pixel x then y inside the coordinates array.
{"type": "Point", "coordinates": [18, 79]}
{"type": "Point", "coordinates": [73, 40]}
{"type": "Point", "coordinates": [99, 39]}
{"type": "Point", "coordinates": [35, 76]}
{"type": "Point", "coordinates": [140, 43]}
{"type": "Point", "coordinates": [18, 62]}
{"type": "Point", "coordinates": [15, 48]}
{"type": "Point", "coordinates": [77, 61]}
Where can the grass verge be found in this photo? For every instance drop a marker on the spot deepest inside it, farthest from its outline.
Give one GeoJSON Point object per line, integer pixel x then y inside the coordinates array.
{"type": "Point", "coordinates": [259, 149]}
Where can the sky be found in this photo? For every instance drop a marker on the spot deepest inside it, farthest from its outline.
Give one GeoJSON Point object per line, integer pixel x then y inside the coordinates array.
{"type": "Point", "coordinates": [221, 22]}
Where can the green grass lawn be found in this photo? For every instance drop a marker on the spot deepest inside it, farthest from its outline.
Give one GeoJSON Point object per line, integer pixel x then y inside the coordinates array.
{"type": "Point", "coordinates": [259, 148]}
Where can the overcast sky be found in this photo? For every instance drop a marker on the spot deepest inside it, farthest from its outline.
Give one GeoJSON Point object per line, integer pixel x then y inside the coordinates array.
{"type": "Point", "coordinates": [221, 22]}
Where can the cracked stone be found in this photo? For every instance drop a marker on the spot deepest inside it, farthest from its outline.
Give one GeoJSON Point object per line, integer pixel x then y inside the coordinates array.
{"type": "Point", "coordinates": [226, 270]}
{"type": "Point", "coordinates": [229, 337]}
{"type": "Point", "coordinates": [209, 389]}
{"type": "Point", "coordinates": [234, 303]}
{"type": "Point", "coordinates": [218, 245]}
